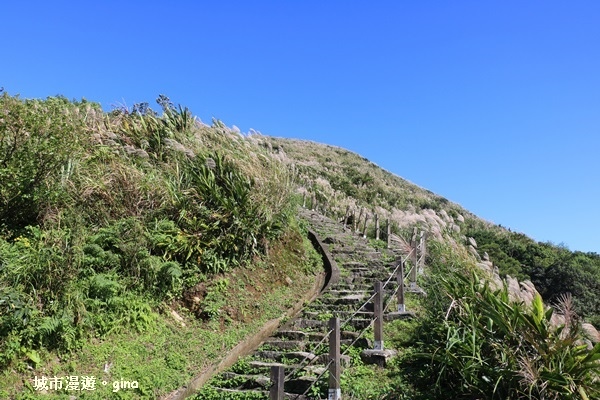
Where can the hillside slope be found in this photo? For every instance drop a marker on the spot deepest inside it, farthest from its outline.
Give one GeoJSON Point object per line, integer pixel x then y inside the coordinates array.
{"type": "Point", "coordinates": [142, 246]}
{"type": "Point", "coordinates": [135, 245]}
{"type": "Point", "coordinates": [479, 337]}
{"type": "Point", "coordinates": [339, 179]}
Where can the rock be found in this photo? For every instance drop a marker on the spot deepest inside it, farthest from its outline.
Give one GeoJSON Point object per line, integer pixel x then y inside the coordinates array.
{"type": "Point", "coordinates": [178, 317]}
{"type": "Point", "coordinates": [528, 291]}
{"type": "Point", "coordinates": [472, 242]}
{"type": "Point", "coordinates": [591, 332]}
{"type": "Point", "coordinates": [473, 251]}
{"type": "Point", "coordinates": [514, 290]}
{"type": "Point", "coordinates": [377, 357]}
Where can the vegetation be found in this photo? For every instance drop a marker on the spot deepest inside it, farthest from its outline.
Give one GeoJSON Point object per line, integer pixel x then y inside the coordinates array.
{"type": "Point", "coordinates": [339, 179]}
{"type": "Point", "coordinates": [474, 342]}
{"type": "Point", "coordinates": [108, 221]}
{"type": "Point", "coordinates": [554, 270]}
{"type": "Point", "coordinates": [144, 245]}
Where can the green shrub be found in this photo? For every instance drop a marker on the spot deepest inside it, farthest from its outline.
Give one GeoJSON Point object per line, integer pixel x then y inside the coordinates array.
{"type": "Point", "coordinates": [484, 346]}
{"type": "Point", "coordinates": [38, 140]}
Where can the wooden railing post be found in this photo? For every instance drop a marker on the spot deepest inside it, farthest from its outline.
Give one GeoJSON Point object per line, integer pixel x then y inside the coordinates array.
{"type": "Point", "coordinates": [400, 278]}
{"type": "Point", "coordinates": [415, 257]}
{"type": "Point", "coordinates": [364, 233]}
{"type": "Point", "coordinates": [304, 200]}
{"type": "Point", "coordinates": [376, 226]}
{"type": "Point", "coordinates": [277, 381]}
{"type": "Point", "coordinates": [346, 216]}
{"type": "Point", "coordinates": [422, 241]}
{"type": "Point", "coordinates": [335, 392]}
{"type": "Point", "coordinates": [389, 233]}
{"type": "Point", "coordinates": [357, 226]}
{"type": "Point", "coordinates": [378, 315]}
{"type": "Point", "coordinates": [353, 220]}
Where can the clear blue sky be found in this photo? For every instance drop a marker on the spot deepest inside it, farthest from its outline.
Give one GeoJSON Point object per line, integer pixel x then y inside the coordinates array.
{"type": "Point", "coordinates": [494, 105]}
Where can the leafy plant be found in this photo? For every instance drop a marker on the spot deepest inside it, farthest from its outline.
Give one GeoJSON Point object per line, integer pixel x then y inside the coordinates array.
{"type": "Point", "coordinates": [37, 141]}
{"type": "Point", "coordinates": [488, 347]}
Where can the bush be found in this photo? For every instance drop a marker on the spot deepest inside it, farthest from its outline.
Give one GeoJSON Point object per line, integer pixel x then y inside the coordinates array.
{"type": "Point", "coordinates": [38, 140]}
{"type": "Point", "coordinates": [486, 347]}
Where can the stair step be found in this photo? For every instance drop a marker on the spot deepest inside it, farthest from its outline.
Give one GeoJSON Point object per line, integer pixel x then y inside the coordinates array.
{"type": "Point", "coordinates": [291, 334]}
{"type": "Point", "coordinates": [255, 394]}
{"type": "Point", "coordinates": [279, 356]}
{"type": "Point", "coordinates": [309, 323]}
{"type": "Point", "coordinates": [300, 384]}
{"type": "Point", "coordinates": [345, 292]}
{"type": "Point", "coordinates": [297, 345]}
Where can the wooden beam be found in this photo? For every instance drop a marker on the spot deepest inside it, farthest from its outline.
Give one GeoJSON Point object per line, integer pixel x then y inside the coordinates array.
{"type": "Point", "coordinates": [400, 279]}
{"type": "Point", "coordinates": [277, 381]}
{"type": "Point", "coordinates": [378, 315]}
{"type": "Point", "coordinates": [335, 392]}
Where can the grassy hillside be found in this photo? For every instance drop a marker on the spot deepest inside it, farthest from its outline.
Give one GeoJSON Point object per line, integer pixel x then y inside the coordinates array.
{"type": "Point", "coordinates": [143, 246]}
{"type": "Point", "coordinates": [476, 338]}
{"type": "Point", "coordinates": [339, 178]}
{"type": "Point", "coordinates": [122, 230]}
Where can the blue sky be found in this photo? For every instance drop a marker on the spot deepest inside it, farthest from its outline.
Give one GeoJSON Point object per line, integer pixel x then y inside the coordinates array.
{"type": "Point", "coordinates": [494, 105]}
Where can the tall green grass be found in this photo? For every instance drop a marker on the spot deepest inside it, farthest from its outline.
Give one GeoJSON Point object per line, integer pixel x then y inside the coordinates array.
{"type": "Point", "coordinates": [477, 344]}
{"type": "Point", "coordinates": [103, 216]}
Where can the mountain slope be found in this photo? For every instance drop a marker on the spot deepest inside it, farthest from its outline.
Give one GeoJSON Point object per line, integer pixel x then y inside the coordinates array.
{"type": "Point", "coordinates": [338, 178]}
{"type": "Point", "coordinates": [143, 246]}
{"type": "Point", "coordinates": [133, 244]}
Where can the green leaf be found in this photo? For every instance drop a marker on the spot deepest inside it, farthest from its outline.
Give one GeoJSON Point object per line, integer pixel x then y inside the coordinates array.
{"type": "Point", "coordinates": [538, 308]}
{"type": "Point", "coordinates": [34, 357]}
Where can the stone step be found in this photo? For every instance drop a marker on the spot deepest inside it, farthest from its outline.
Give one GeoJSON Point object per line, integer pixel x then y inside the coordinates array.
{"type": "Point", "coordinates": [356, 298]}
{"type": "Point", "coordinates": [304, 323]}
{"type": "Point", "coordinates": [280, 356]}
{"type": "Point", "coordinates": [343, 292]}
{"type": "Point", "coordinates": [294, 396]}
{"type": "Point", "coordinates": [365, 313]}
{"type": "Point", "coordinates": [330, 309]}
{"type": "Point", "coordinates": [291, 335]}
{"type": "Point", "coordinates": [300, 384]}
{"type": "Point", "coordinates": [291, 345]}
{"type": "Point", "coordinates": [316, 337]}
{"type": "Point", "coordinates": [356, 323]}
{"type": "Point", "coordinates": [264, 367]}
{"type": "Point", "coordinates": [254, 394]}
{"type": "Point", "coordinates": [363, 281]}
{"type": "Point", "coordinates": [351, 285]}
